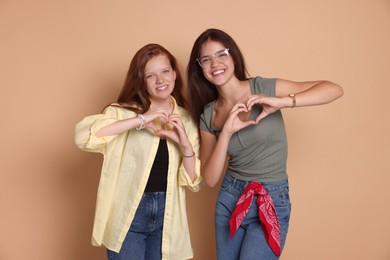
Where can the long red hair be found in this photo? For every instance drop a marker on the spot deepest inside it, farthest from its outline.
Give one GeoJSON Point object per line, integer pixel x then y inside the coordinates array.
{"type": "Point", "coordinates": [133, 95]}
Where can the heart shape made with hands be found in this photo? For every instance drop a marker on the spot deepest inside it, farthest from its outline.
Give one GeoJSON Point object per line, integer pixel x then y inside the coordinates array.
{"type": "Point", "coordinates": [246, 116]}
{"type": "Point", "coordinates": [157, 125]}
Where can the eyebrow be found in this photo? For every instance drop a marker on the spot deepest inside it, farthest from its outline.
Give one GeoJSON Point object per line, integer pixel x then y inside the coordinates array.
{"type": "Point", "coordinates": [213, 53]}
{"type": "Point", "coordinates": [166, 68]}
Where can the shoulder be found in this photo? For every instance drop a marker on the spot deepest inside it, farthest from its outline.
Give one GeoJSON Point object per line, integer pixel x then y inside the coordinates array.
{"type": "Point", "coordinates": [118, 111]}
{"type": "Point", "coordinates": [206, 116]}
{"type": "Point", "coordinates": [208, 109]}
{"type": "Point", "coordinates": [262, 85]}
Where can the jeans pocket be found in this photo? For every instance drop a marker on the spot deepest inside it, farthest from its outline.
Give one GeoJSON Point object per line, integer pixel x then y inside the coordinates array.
{"type": "Point", "coordinates": [227, 182]}
{"type": "Point", "coordinates": [281, 200]}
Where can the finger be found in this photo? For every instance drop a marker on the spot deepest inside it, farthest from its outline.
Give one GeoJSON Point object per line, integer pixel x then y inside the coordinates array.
{"type": "Point", "coordinates": [251, 102]}
{"type": "Point", "coordinates": [175, 117]}
{"type": "Point", "coordinates": [179, 129]}
{"type": "Point", "coordinates": [262, 115]}
{"type": "Point", "coordinates": [248, 123]}
{"type": "Point", "coordinates": [151, 115]}
{"type": "Point", "coordinates": [239, 105]}
{"type": "Point", "coordinates": [169, 134]}
{"type": "Point", "coordinates": [176, 120]}
{"type": "Point", "coordinates": [238, 110]}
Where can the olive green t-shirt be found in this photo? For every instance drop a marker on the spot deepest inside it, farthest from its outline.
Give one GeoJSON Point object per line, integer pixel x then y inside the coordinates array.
{"type": "Point", "coordinates": [257, 152]}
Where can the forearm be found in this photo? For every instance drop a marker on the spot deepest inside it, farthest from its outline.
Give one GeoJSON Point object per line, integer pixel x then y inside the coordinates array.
{"type": "Point", "coordinates": [321, 93]}
{"type": "Point", "coordinates": [308, 93]}
{"type": "Point", "coordinates": [119, 127]}
{"type": "Point", "coordinates": [213, 166]}
{"type": "Point", "coordinates": [189, 166]}
{"type": "Point", "coordinates": [189, 160]}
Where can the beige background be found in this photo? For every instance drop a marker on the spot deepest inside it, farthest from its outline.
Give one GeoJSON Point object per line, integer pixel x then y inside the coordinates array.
{"type": "Point", "coordinates": [65, 59]}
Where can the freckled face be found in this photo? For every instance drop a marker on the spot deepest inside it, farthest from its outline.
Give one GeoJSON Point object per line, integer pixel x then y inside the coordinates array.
{"type": "Point", "coordinates": [160, 78]}
{"type": "Point", "coordinates": [219, 73]}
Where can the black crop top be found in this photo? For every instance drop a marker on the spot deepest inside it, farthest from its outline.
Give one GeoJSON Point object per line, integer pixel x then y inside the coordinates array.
{"type": "Point", "coordinates": [158, 175]}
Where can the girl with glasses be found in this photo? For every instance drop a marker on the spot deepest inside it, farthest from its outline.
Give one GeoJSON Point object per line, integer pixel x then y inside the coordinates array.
{"type": "Point", "coordinates": [241, 124]}
{"type": "Point", "coordinates": [150, 146]}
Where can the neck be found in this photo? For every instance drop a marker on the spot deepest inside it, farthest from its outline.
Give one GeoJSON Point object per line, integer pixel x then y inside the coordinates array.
{"type": "Point", "coordinates": [233, 93]}
{"type": "Point", "coordinates": [167, 105]}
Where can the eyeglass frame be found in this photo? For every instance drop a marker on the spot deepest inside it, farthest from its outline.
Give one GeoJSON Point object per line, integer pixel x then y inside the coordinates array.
{"type": "Point", "coordinates": [213, 56]}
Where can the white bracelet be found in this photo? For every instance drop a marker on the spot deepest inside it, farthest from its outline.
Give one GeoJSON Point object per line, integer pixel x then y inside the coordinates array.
{"type": "Point", "coordinates": [142, 125]}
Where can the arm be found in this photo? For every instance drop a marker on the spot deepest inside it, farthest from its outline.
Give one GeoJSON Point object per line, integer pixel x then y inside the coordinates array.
{"type": "Point", "coordinates": [310, 93]}
{"type": "Point", "coordinates": [86, 129]}
{"type": "Point", "coordinates": [179, 136]}
{"type": "Point", "coordinates": [124, 125]}
{"type": "Point", "coordinates": [213, 156]}
{"type": "Point", "coordinates": [119, 127]}
{"type": "Point", "coordinates": [214, 151]}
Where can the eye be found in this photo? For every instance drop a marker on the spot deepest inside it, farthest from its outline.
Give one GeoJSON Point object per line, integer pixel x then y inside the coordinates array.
{"type": "Point", "coordinates": [204, 59]}
{"type": "Point", "coordinates": [166, 71]}
{"type": "Point", "coordinates": [149, 76]}
{"type": "Point", "coordinates": [221, 54]}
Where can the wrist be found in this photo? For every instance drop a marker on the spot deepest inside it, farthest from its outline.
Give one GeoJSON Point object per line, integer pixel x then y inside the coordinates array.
{"type": "Point", "coordinates": [225, 135]}
{"type": "Point", "coordinates": [292, 100]}
{"type": "Point", "coordinates": [188, 155]}
{"type": "Point", "coordinates": [187, 151]}
{"type": "Point", "coordinates": [142, 122]}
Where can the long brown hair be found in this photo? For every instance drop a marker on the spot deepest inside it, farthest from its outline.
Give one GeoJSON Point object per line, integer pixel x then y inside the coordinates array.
{"type": "Point", "coordinates": [200, 90]}
{"type": "Point", "coordinates": [134, 95]}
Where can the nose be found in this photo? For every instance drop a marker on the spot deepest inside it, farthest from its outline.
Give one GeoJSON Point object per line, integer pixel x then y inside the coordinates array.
{"type": "Point", "coordinates": [213, 61]}
{"type": "Point", "coordinates": [159, 79]}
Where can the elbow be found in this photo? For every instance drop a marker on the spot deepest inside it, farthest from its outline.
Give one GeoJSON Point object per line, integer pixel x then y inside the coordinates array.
{"type": "Point", "coordinates": [335, 91]}
{"type": "Point", "coordinates": [80, 143]}
{"type": "Point", "coordinates": [339, 91]}
{"type": "Point", "coordinates": [210, 182]}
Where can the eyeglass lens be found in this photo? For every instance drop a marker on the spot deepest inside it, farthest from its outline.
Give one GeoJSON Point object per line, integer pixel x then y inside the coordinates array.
{"type": "Point", "coordinates": [220, 56]}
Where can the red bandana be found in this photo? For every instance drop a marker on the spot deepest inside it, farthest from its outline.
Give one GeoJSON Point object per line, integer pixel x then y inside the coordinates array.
{"type": "Point", "coordinates": [267, 214]}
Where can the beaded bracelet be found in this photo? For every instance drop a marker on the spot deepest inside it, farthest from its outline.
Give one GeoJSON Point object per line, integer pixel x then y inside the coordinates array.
{"type": "Point", "coordinates": [189, 156]}
{"type": "Point", "coordinates": [142, 125]}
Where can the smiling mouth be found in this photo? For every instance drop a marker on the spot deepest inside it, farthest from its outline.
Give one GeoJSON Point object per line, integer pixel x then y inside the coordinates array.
{"type": "Point", "coordinates": [218, 72]}
{"type": "Point", "coordinates": [162, 88]}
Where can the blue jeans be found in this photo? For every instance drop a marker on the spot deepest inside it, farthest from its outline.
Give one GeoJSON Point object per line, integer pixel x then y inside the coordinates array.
{"type": "Point", "coordinates": [143, 240]}
{"type": "Point", "coordinates": [248, 243]}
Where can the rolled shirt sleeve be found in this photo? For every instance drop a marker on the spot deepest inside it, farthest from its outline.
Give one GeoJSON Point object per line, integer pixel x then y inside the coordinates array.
{"type": "Point", "coordinates": [86, 129]}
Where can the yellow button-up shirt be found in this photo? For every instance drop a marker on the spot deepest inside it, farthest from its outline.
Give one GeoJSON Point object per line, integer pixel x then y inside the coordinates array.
{"type": "Point", "coordinates": [128, 159]}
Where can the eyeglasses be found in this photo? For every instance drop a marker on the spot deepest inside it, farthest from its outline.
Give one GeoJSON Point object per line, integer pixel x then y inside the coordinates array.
{"type": "Point", "coordinates": [220, 56]}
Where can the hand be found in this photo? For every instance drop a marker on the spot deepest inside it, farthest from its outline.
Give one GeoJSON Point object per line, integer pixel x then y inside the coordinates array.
{"type": "Point", "coordinates": [153, 114]}
{"type": "Point", "coordinates": [177, 133]}
{"type": "Point", "coordinates": [233, 122]}
{"type": "Point", "coordinates": [269, 105]}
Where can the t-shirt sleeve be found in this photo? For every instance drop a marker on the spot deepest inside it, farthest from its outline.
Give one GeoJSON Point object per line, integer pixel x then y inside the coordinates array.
{"type": "Point", "coordinates": [205, 118]}
{"type": "Point", "coordinates": [265, 86]}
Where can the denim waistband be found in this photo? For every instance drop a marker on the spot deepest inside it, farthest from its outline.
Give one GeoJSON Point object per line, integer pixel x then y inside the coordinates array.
{"type": "Point", "coordinates": [269, 186]}
{"type": "Point", "coordinates": [153, 193]}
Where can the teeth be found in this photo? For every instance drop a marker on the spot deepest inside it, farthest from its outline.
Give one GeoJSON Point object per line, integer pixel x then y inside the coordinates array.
{"type": "Point", "coordinates": [218, 72]}
{"type": "Point", "coordinates": [162, 88]}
